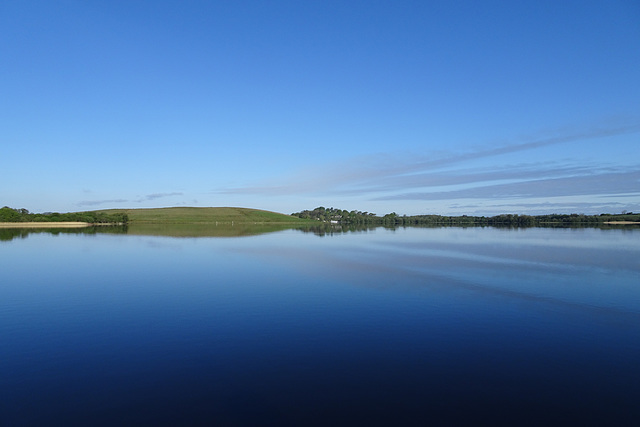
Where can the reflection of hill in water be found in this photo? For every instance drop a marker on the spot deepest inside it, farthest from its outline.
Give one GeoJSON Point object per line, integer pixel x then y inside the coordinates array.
{"type": "Point", "coordinates": [205, 230]}
{"type": "Point", "coordinates": [168, 230]}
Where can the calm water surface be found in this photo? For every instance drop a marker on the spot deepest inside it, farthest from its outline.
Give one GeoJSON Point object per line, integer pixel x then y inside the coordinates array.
{"type": "Point", "coordinates": [384, 327]}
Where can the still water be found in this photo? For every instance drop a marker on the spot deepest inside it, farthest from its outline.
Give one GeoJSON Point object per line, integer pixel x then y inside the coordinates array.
{"type": "Point", "coordinates": [380, 327]}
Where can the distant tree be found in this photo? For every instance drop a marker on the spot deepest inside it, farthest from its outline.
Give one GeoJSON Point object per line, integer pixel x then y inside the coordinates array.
{"type": "Point", "coordinates": [9, 215]}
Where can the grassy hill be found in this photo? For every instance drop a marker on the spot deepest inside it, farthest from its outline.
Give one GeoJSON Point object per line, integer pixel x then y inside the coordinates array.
{"type": "Point", "coordinates": [190, 215]}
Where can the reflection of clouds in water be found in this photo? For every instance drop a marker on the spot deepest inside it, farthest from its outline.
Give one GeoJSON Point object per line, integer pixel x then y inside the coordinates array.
{"type": "Point", "coordinates": [160, 243]}
{"type": "Point", "coordinates": [548, 276]}
{"type": "Point", "coordinates": [526, 256]}
{"type": "Point", "coordinates": [539, 237]}
{"type": "Point", "coordinates": [534, 265]}
{"type": "Point", "coordinates": [534, 284]}
{"type": "Point", "coordinates": [621, 315]}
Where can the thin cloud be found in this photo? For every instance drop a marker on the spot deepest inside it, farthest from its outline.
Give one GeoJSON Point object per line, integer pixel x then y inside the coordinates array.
{"type": "Point", "coordinates": [388, 173]}
{"type": "Point", "coordinates": [546, 206]}
{"type": "Point", "coordinates": [593, 133]}
{"type": "Point", "coordinates": [101, 202]}
{"type": "Point", "coordinates": [160, 195]}
{"type": "Point", "coordinates": [518, 172]}
{"type": "Point", "coordinates": [146, 198]}
{"type": "Point", "coordinates": [599, 184]}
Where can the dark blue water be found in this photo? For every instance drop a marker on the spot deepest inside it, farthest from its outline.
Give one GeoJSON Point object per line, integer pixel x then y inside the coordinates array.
{"type": "Point", "coordinates": [406, 327]}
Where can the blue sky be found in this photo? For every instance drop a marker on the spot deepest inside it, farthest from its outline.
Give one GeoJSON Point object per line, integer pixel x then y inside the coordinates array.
{"type": "Point", "coordinates": [446, 107]}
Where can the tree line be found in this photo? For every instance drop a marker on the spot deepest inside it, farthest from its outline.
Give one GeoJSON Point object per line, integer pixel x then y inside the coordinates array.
{"type": "Point", "coordinates": [8, 214]}
{"type": "Point", "coordinates": [355, 217]}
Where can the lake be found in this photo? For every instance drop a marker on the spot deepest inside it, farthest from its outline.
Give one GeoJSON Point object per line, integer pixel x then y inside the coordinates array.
{"type": "Point", "coordinates": [410, 326]}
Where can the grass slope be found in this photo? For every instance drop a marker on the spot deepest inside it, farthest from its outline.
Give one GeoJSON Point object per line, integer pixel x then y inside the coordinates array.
{"type": "Point", "coordinates": [190, 215]}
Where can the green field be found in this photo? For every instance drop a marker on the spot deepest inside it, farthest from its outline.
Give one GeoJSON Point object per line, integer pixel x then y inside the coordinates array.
{"type": "Point", "coordinates": [190, 215]}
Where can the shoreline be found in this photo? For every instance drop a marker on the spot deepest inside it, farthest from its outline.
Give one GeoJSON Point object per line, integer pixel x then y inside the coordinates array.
{"type": "Point", "coordinates": [621, 222]}
{"type": "Point", "coordinates": [44, 224]}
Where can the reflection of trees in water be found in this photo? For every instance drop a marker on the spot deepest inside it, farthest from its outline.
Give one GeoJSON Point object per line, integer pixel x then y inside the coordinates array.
{"type": "Point", "coordinates": [7, 234]}
{"type": "Point", "coordinates": [325, 229]}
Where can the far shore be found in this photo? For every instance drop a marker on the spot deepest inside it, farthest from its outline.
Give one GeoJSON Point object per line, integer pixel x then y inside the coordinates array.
{"type": "Point", "coordinates": [43, 224]}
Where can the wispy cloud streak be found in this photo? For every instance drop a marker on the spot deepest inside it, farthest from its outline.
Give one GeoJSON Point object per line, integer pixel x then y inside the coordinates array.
{"type": "Point", "coordinates": [101, 202]}
{"type": "Point", "coordinates": [598, 184]}
{"type": "Point", "coordinates": [519, 172]}
{"type": "Point", "coordinates": [386, 173]}
{"type": "Point", "coordinates": [148, 197]}
{"type": "Point", "coordinates": [158, 196]}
